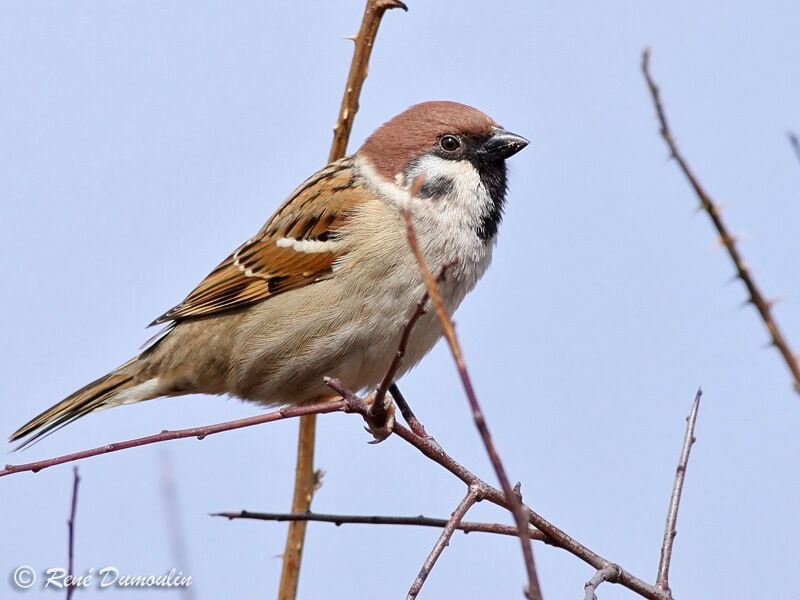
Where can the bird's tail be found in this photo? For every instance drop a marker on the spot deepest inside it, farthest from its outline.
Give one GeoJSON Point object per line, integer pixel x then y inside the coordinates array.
{"type": "Point", "coordinates": [121, 386]}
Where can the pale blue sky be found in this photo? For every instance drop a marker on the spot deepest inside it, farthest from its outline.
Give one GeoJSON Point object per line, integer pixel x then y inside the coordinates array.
{"type": "Point", "coordinates": [140, 142]}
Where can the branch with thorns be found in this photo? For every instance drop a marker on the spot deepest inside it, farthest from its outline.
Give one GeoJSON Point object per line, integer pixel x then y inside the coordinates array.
{"type": "Point", "coordinates": [755, 297]}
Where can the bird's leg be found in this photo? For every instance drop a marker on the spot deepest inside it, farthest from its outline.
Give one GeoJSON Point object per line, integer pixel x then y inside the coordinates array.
{"type": "Point", "coordinates": [379, 418]}
{"type": "Point", "coordinates": [379, 428]}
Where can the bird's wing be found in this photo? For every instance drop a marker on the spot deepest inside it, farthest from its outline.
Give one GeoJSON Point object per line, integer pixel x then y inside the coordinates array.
{"type": "Point", "coordinates": [296, 247]}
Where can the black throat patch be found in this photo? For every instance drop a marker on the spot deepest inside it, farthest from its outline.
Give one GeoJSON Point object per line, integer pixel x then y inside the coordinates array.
{"type": "Point", "coordinates": [494, 179]}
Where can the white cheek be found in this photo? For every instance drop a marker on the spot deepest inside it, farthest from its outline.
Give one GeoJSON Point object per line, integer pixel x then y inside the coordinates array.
{"type": "Point", "coordinates": [463, 207]}
{"type": "Point", "coordinates": [468, 202]}
{"type": "Point", "coordinates": [446, 227]}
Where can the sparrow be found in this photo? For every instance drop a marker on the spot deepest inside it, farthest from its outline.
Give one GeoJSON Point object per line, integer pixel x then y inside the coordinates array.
{"type": "Point", "coordinates": [327, 284]}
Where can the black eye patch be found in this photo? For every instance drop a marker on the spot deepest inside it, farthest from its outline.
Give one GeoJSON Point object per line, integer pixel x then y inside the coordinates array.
{"type": "Point", "coordinates": [436, 187]}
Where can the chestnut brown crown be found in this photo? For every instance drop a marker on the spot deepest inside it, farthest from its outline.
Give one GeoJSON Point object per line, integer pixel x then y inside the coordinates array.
{"type": "Point", "coordinates": [417, 130]}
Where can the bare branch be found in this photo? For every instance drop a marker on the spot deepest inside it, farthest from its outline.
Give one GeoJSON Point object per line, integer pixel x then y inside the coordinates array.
{"type": "Point", "coordinates": [166, 435]}
{"type": "Point", "coordinates": [670, 531]}
{"type": "Point", "coordinates": [553, 535]}
{"type": "Point", "coordinates": [364, 39]}
{"type": "Point", "coordinates": [305, 477]}
{"type": "Point", "coordinates": [304, 487]}
{"type": "Point", "coordinates": [519, 511]}
{"type": "Point", "coordinates": [473, 496]}
{"type": "Point", "coordinates": [728, 240]}
{"type": "Point", "coordinates": [608, 573]}
{"type": "Point", "coordinates": [417, 521]}
{"type": "Point", "coordinates": [406, 411]}
{"type": "Point", "coordinates": [71, 529]}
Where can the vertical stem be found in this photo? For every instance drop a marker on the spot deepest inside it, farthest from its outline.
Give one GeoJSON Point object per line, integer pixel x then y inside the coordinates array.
{"type": "Point", "coordinates": [71, 529]}
{"type": "Point", "coordinates": [304, 484]}
{"type": "Point", "coordinates": [304, 473]}
{"type": "Point", "coordinates": [670, 531]}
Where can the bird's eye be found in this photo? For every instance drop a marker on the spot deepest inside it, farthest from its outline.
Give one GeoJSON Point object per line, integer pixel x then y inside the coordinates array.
{"type": "Point", "coordinates": [449, 143]}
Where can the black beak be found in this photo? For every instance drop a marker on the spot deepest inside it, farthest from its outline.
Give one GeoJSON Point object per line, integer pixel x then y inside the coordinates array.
{"type": "Point", "coordinates": [503, 144]}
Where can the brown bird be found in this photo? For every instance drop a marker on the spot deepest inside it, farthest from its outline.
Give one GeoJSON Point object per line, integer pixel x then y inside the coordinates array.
{"type": "Point", "coordinates": [324, 288]}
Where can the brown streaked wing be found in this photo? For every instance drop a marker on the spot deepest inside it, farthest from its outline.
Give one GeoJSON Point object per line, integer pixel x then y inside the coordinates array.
{"type": "Point", "coordinates": [260, 268]}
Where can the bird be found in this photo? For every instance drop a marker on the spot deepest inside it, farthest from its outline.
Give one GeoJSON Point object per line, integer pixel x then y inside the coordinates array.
{"type": "Point", "coordinates": [326, 285]}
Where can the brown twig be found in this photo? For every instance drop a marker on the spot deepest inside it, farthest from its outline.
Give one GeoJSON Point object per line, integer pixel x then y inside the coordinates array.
{"type": "Point", "coordinates": [197, 432]}
{"type": "Point", "coordinates": [378, 408]}
{"type": "Point", "coordinates": [305, 482]}
{"type": "Point", "coordinates": [756, 298]}
{"type": "Point", "coordinates": [670, 531]}
{"type": "Point", "coordinates": [305, 477]}
{"type": "Point", "coordinates": [519, 511]}
{"type": "Point", "coordinates": [364, 39]}
{"type": "Point", "coordinates": [406, 411]}
{"type": "Point", "coordinates": [473, 495]}
{"type": "Point", "coordinates": [553, 535]}
{"type": "Point", "coordinates": [417, 521]}
{"type": "Point", "coordinates": [608, 573]}
{"type": "Point", "coordinates": [71, 530]}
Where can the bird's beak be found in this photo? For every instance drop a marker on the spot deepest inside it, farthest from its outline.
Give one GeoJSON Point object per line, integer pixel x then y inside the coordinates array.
{"type": "Point", "coordinates": [503, 144]}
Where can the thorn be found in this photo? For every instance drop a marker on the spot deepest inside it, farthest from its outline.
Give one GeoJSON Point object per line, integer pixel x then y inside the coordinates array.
{"type": "Point", "coordinates": [319, 474]}
{"type": "Point", "coordinates": [770, 302]}
{"type": "Point", "coordinates": [725, 240]}
{"type": "Point", "coordinates": [517, 490]}
{"type": "Point", "coordinates": [733, 278]}
{"type": "Point", "coordinates": [748, 300]}
{"type": "Point", "coordinates": [352, 38]}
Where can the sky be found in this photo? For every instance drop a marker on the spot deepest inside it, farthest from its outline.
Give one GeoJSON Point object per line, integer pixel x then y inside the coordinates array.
{"type": "Point", "coordinates": [141, 142]}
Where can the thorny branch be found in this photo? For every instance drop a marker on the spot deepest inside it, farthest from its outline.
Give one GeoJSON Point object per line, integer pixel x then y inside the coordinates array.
{"type": "Point", "coordinates": [364, 39]}
{"type": "Point", "coordinates": [71, 530]}
{"type": "Point", "coordinates": [305, 477]}
{"type": "Point", "coordinates": [755, 297]}
{"type": "Point", "coordinates": [519, 511]}
{"type": "Point", "coordinates": [670, 531]}
{"type": "Point", "coordinates": [417, 521]}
